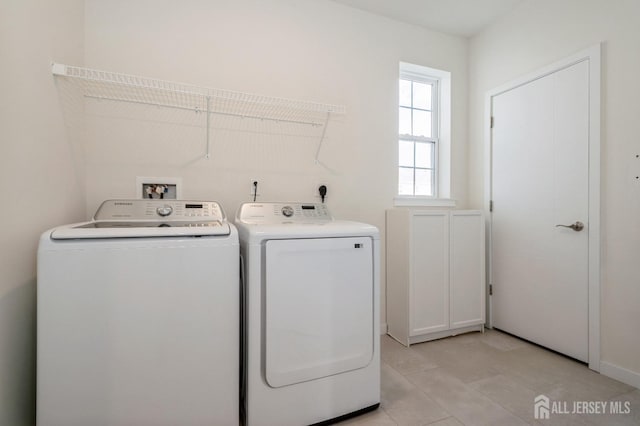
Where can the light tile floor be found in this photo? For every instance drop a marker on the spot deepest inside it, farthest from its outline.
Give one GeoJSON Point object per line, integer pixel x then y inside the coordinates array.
{"type": "Point", "coordinates": [488, 378]}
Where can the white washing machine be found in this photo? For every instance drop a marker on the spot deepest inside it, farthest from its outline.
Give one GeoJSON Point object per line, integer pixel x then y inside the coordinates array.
{"type": "Point", "coordinates": [138, 317]}
{"type": "Point", "coordinates": [311, 315]}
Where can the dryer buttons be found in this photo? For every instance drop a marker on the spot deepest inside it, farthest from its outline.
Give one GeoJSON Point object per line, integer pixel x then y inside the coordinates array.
{"type": "Point", "coordinates": [287, 211]}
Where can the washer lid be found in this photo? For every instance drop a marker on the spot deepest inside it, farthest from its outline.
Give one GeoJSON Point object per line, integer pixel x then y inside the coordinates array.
{"type": "Point", "coordinates": [105, 229]}
{"type": "Point", "coordinates": [149, 218]}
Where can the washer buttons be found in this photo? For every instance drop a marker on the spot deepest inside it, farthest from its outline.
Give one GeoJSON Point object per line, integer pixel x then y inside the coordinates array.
{"type": "Point", "coordinates": [287, 211]}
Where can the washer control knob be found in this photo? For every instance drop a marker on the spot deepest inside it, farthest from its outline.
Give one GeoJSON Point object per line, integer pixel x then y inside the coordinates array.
{"type": "Point", "coordinates": [287, 211]}
{"type": "Point", "coordinates": [164, 210]}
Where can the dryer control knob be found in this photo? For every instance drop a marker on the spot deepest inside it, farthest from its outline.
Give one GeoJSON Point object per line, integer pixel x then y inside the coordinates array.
{"type": "Point", "coordinates": [287, 211]}
{"type": "Point", "coordinates": [164, 210]}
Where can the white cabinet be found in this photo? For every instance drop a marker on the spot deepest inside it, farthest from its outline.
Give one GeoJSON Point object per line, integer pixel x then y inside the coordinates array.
{"type": "Point", "coordinates": [435, 273]}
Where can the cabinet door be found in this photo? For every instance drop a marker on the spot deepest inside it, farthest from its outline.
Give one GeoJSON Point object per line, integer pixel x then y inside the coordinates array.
{"type": "Point", "coordinates": [429, 296]}
{"type": "Point", "coordinates": [466, 275]}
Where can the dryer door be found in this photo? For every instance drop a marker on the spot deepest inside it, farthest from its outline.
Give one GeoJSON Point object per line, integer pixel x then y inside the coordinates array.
{"type": "Point", "coordinates": [318, 312]}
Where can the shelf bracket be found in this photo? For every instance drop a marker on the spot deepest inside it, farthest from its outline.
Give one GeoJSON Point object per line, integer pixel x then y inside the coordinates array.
{"type": "Point", "coordinates": [324, 132]}
{"type": "Point", "coordinates": [208, 153]}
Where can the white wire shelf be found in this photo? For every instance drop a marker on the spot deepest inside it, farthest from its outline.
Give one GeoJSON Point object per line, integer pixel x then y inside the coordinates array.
{"type": "Point", "coordinates": [106, 85]}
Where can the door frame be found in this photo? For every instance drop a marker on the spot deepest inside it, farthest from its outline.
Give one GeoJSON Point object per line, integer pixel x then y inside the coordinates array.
{"type": "Point", "coordinates": [593, 56]}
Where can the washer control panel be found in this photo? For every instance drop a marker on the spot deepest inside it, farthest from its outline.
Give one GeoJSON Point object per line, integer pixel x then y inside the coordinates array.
{"type": "Point", "coordinates": [160, 210]}
{"type": "Point", "coordinates": [164, 210]}
{"type": "Point", "coordinates": [265, 213]}
{"type": "Point", "coordinates": [287, 211]}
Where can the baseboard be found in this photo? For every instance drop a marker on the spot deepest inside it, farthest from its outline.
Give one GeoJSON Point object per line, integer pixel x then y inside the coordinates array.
{"type": "Point", "coordinates": [629, 377]}
{"type": "Point", "coordinates": [383, 328]}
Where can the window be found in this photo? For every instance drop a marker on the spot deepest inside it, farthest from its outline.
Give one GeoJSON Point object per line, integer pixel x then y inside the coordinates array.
{"type": "Point", "coordinates": [423, 132]}
{"type": "Point", "coordinates": [418, 136]}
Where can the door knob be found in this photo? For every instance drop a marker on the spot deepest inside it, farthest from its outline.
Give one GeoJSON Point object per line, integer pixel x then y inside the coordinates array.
{"type": "Point", "coordinates": [578, 226]}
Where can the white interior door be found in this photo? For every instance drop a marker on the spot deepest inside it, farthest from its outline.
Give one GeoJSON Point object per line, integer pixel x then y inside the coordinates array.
{"type": "Point", "coordinates": [540, 179]}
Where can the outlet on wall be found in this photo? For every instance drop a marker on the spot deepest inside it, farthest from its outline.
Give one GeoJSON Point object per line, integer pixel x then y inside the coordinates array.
{"type": "Point", "coordinates": [318, 194]}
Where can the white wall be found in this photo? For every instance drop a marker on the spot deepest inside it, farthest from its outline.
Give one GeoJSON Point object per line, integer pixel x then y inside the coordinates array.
{"type": "Point", "coordinates": [303, 49]}
{"type": "Point", "coordinates": [41, 178]}
{"type": "Point", "coordinates": [540, 32]}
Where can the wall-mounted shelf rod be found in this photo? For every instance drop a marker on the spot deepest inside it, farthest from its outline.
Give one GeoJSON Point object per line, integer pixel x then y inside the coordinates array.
{"type": "Point", "coordinates": [106, 85]}
{"type": "Point", "coordinates": [156, 104]}
{"type": "Point", "coordinates": [201, 110]}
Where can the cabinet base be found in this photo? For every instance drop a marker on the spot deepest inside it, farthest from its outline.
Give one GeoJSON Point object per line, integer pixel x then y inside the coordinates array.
{"type": "Point", "coordinates": [439, 334]}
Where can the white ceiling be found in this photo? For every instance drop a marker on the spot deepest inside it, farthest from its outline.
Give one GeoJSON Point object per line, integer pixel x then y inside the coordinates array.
{"type": "Point", "coordinates": [459, 17]}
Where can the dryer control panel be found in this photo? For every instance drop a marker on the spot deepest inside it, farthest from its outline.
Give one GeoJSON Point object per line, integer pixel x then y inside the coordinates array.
{"type": "Point", "coordinates": [274, 213]}
{"type": "Point", "coordinates": [161, 210]}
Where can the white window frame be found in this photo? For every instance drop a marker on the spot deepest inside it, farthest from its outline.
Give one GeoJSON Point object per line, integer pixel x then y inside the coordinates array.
{"type": "Point", "coordinates": [441, 136]}
{"type": "Point", "coordinates": [435, 130]}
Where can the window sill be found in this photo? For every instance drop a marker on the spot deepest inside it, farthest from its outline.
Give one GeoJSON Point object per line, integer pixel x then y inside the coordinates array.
{"type": "Point", "coordinates": [403, 201]}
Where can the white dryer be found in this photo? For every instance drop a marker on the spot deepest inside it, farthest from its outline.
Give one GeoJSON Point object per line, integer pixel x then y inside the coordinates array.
{"type": "Point", "coordinates": [138, 317]}
{"type": "Point", "coordinates": [311, 315]}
